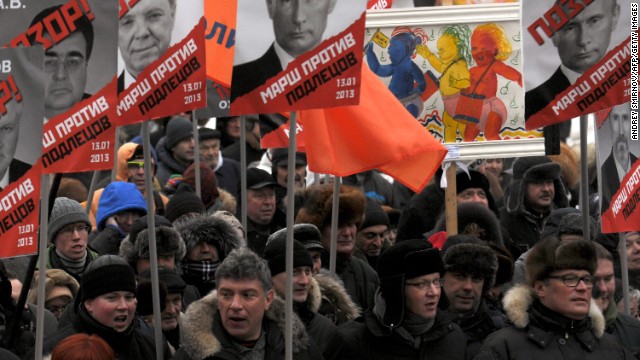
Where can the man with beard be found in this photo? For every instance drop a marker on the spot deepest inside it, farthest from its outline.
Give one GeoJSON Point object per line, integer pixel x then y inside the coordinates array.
{"type": "Point", "coordinates": [619, 162]}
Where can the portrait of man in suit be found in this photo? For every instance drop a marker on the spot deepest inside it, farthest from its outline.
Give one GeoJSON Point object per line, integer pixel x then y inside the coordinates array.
{"type": "Point", "coordinates": [11, 169]}
{"type": "Point", "coordinates": [580, 43]}
{"type": "Point", "coordinates": [65, 66]}
{"type": "Point", "coordinates": [144, 34]}
{"type": "Point", "coordinates": [621, 157]}
{"type": "Point", "coordinates": [298, 27]}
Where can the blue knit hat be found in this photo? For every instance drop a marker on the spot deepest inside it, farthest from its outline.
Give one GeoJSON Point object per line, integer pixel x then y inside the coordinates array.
{"type": "Point", "coordinates": [117, 197]}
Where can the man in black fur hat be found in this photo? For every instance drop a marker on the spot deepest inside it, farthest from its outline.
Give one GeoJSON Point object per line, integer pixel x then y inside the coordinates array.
{"type": "Point", "coordinates": [536, 190]}
{"type": "Point", "coordinates": [405, 322]}
{"type": "Point", "coordinates": [552, 316]}
{"type": "Point", "coordinates": [469, 273]}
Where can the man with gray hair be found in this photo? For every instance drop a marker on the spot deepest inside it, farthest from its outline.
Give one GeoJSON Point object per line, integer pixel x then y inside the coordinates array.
{"type": "Point", "coordinates": [242, 319]}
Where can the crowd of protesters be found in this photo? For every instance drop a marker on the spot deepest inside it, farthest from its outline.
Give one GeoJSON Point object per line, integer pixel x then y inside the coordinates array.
{"type": "Point", "coordinates": [519, 281]}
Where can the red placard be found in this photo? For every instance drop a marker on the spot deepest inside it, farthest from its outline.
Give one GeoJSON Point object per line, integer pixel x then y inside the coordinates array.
{"type": "Point", "coordinates": [174, 82]}
{"type": "Point", "coordinates": [80, 41]}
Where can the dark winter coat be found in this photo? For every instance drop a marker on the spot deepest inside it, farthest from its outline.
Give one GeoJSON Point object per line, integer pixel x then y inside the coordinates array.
{"type": "Point", "coordinates": [129, 344]}
{"type": "Point", "coordinates": [320, 329]}
{"type": "Point", "coordinates": [624, 328]}
{"type": "Point", "coordinates": [228, 176]}
{"type": "Point", "coordinates": [359, 279]}
{"type": "Point", "coordinates": [367, 339]}
{"type": "Point", "coordinates": [536, 332]}
{"type": "Point", "coordinates": [477, 327]}
{"type": "Point", "coordinates": [107, 241]}
{"type": "Point", "coordinates": [205, 337]}
{"type": "Point", "coordinates": [336, 303]}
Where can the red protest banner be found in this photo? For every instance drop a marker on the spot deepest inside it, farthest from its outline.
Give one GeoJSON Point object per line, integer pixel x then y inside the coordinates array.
{"type": "Point", "coordinates": [80, 42]}
{"type": "Point", "coordinates": [157, 79]}
{"type": "Point", "coordinates": [591, 71]}
{"type": "Point", "coordinates": [279, 69]}
{"type": "Point", "coordinates": [274, 129]}
{"type": "Point", "coordinates": [21, 96]}
{"type": "Point", "coordinates": [618, 168]}
{"type": "Point", "coordinates": [86, 136]}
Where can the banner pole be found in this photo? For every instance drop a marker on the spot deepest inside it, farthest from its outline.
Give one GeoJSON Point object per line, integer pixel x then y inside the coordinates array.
{"type": "Point", "coordinates": [92, 189]}
{"type": "Point", "coordinates": [584, 177]}
{"type": "Point", "coordinates": [114, 170]}
{"type": "Point", "coordinates": [196, 161]}
{"type": "Point", "coordinates": [42, 263]}
{"type": "Point", "coordinates": [153, 252]}
{"type": "Point", "coordinates": [334, 224]}
{"type": "Point", "coordinates": [624, 268]}
{"type": "Point", "coordinates": [451, 199]}
{"type": "Point", "coordinates": [291, 165]}
{"type": "Point", "coordinates": [243, 176]}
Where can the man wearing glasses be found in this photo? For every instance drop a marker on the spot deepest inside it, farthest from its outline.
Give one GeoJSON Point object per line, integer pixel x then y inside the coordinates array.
{"type": "Point", "coordinates": [469, 272]}
{"type": "Point", "coordinates": [553, 315]}
{"type": "Point", "coordinates": [65, 66]}
{"type": "Point", "coordinates": [68, 232]}
{"type": "Point", "coordinates": [405, 322]}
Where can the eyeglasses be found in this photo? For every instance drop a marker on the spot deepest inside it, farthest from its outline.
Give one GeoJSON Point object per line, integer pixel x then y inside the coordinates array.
{"type": "Point", "coordinates": [70, 229]}
{"type": "Point", "coordinates": [71, 63]}
{"type": "Point", "coordinates": [135, 165]}
{"type": "Point", "coordinates": [573, 280]}
{"type": "Point", "coordinates": [424, 285]}
{"type": "Point", "coordinates": [56, 309]}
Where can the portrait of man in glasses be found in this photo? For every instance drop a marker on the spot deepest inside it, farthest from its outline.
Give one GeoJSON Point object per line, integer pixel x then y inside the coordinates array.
{"type": "Point", "coordinates": [65, 66]}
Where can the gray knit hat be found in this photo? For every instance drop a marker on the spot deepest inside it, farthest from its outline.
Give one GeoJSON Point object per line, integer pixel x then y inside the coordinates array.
{"type": "Point", "coordinates": [65, 211]}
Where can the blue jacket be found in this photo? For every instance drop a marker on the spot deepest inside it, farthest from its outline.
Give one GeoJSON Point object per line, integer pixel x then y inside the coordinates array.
{"type": "Point", "coordinates": [117, 197]}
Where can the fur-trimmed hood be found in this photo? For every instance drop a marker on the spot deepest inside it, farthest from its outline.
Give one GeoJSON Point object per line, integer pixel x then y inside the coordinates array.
{"type": "Point", "coordinates": [200, 342]}
{"type": "Point", "coordinates": [214, 229]}
{"type": "Point", "coordinates": [168, 241]}
{"type": "Point", "coordinates": [335, 295]}
{"type": "Point", "coordinates": [519, 298]}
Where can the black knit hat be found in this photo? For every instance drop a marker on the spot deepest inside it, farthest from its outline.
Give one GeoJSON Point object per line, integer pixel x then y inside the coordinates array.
{"type": "Point", "coordinates": [183, 202]}
{"type": "Point", "coordinates": [206, 134]}
{"type": "Point", "coordinates": [404, 260]}
{"type": "Point", "coordinates": [275, 254]}
{"type": "Point", "coordinates": [141, 224]}
{"type": "Point", "coordinates": [474, 259]}
{"type": "Point", "coordinates": [552, 222]}
{"type": "Point", "coordinates": [178, 129]}
{"type": "Point", "coordinates": [106, 274]}
{"type": "Point", "coordinates": [374, 215]}
{"type": "Point", "coordinates": [551, 254]}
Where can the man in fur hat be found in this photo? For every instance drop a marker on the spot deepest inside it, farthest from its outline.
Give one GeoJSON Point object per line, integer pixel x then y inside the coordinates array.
{"type": "Point", "coordinates": [405, 322]}
{"type": "Point", "coordinates": [209, 239]}
{"type": "Point", "coordinates": [536, 190]}
{"type": "Point", "coordinates": [469, 273]}
{"type": "Point", "coordinates": [358, 277]}
{"type": "Point", "coordinates": [243, 319]}
{"type": "Point", "coordinates": [552, 316]}
{"type": "Point", "coordinates": [306, 291]}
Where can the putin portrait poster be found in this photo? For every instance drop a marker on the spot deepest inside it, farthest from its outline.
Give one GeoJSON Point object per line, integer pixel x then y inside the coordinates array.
{"type": "Point", "coordinates": [161, 64]}
{"type": "Point", "coordinates": [577, 58]}
{"type": "Point", "coordinates": [618, 169]}
{"type": "Point", "coordinates": [21, 112]}
{"type": "Point", "coordinates": [296, 55]}
{"type": "Point", "coordinates": [79, 39]}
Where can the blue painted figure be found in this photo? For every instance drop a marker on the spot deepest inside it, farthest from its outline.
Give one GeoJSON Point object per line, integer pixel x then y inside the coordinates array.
{"type": "Point", "coordinates": [403, 71]}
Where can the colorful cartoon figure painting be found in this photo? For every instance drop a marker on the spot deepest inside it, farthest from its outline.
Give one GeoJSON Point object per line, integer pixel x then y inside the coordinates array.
{"type": "Point", "coordinates": [451, 62]}
{"type": "Point", "coordinates": [458, 80]}
{"type": "Point", "coordinates": [489, 48]}
{"type": "Point", "coordinates": [407, 80]}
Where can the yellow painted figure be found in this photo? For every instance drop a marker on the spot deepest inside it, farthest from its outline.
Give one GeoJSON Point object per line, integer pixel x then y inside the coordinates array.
{"type": "Point", "coordinates": [451, 62]}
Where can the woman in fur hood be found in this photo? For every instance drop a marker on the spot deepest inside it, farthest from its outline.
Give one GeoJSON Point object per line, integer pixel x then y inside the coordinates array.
{"type": "Point", "coordinates": [553, 317]}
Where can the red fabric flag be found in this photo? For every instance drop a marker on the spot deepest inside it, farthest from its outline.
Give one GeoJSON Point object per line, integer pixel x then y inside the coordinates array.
{"type": "Point", "coordinates": [377, 133]}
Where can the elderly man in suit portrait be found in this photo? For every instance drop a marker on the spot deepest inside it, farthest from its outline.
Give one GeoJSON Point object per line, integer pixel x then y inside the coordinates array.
{"type": "Point", "coordinates": [10, 168]}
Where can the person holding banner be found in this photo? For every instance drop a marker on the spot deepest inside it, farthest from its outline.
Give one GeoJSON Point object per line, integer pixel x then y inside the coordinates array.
{"type": "Point", "coordinates": [11, 169]}
{"type": "Point", "coordinates": [620, 161]}
{"type": "Point", "coordinates": [581, 43]}
{"type": "Point", "coordinates": [298, 27]}
{"type": "Point", "coordinates": [144, 34]}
